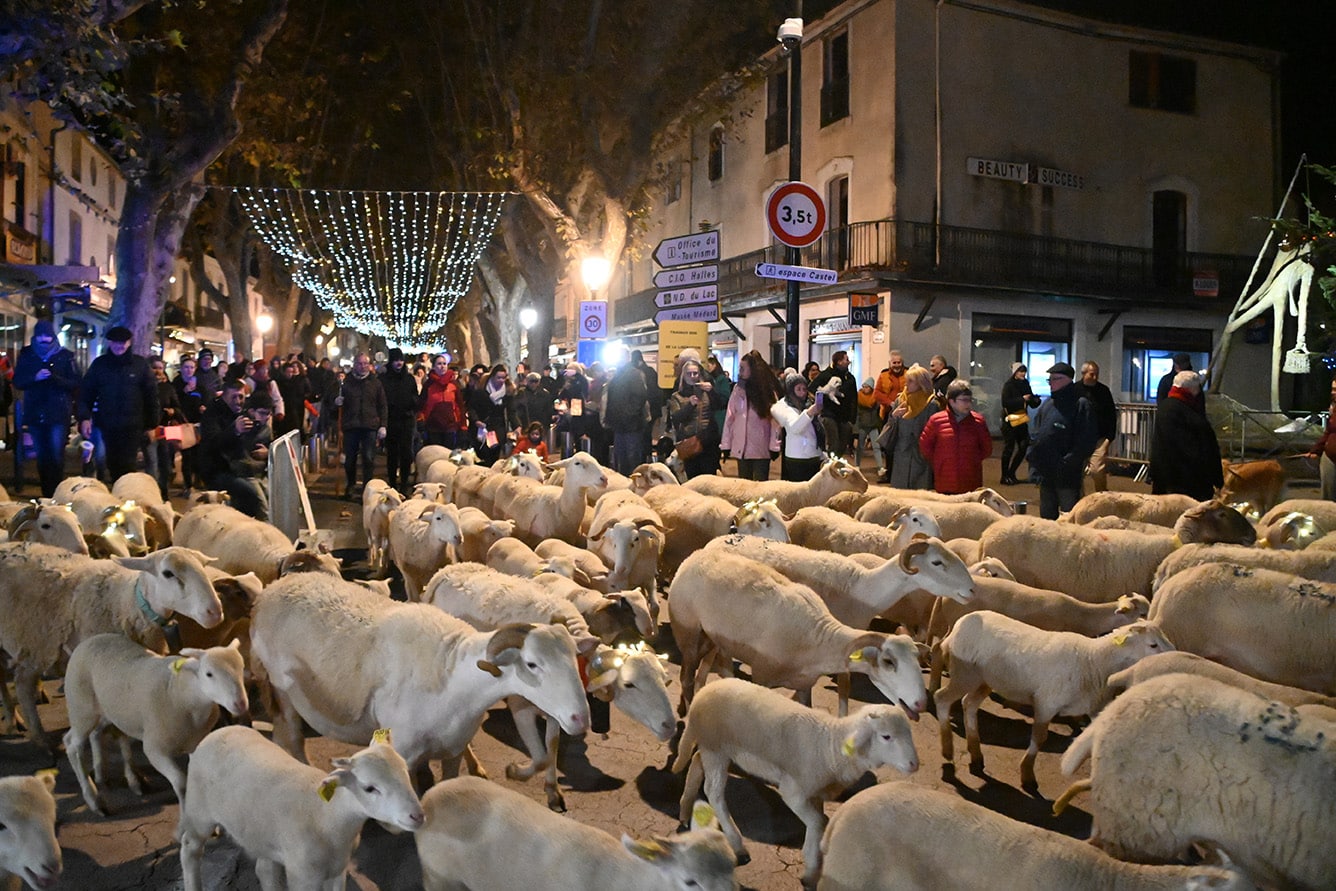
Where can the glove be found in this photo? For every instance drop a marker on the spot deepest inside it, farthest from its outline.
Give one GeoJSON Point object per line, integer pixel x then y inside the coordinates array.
{"type": "Point", "coordinates": [774, 455]}
{"type": "Point", "coordinates": [380, 434]}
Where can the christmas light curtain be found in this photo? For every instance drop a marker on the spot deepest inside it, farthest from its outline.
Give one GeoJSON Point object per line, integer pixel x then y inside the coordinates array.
{"type": "Point", "coordinates": [387, 263]}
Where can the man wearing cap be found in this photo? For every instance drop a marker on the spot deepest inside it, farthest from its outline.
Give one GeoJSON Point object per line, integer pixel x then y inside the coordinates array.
{"type": "Point", "coordinates": [119, 400]}
{"type": "Point", "coordinates": [47, 377]}
{"type": "Point", "coordinates": [1064, 438]}
{"type": "Point", "coordinates": [401, 402]}
{"type": "Point", "coordinates": [209, 380]}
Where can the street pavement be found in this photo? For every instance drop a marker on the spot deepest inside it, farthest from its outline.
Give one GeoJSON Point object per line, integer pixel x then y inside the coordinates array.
{"type": "Point", "coordinates": [619, 783]}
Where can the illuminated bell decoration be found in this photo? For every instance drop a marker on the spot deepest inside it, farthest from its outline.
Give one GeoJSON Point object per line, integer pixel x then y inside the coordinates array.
{"type": "Point", "coordinates": [392, 264]}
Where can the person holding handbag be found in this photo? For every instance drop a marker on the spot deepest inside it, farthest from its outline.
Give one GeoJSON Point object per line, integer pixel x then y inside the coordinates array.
{"type": "Point", "coordinates": [691, 409]}
{"type": "Point", "coordinates": [1016, 398]}
{"type": "Point", "coordinates": [917, 402]}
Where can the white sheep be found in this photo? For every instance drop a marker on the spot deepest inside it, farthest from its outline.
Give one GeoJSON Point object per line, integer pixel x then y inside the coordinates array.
{"type": "Point", "coordinates": [514, 557]}
{"type": "Point", "coordinates": [169, 702]}
{"type": "Point", "coordinates": [432, 491]}
{"type": "Point", "coordinates": [488, 598]}
{"type": "Point", "coordinates": [825, 529]}
{"type": "Point", "coordinates": [421, 534]}
{"type": "Point", "coordinates": [299, 824]}
{"type": "Point", "coordinates": [378, 499]}
{"type": "Point", "coordinates": [587, 564]}
{"type": "Point", "coordinates": [1046, 610]}
{"type": "Point", "coordinates": [1321, 511]}
{"type": "Point", "coordinates": [201, 497]}
{"type": "Point", "coordinates": [1056, 672]}
{"type": "Point", "coordinates": [647, 476]}
{"type": "Point", "coordinates": [990, 567]}
{"type": "Point", "coordinates": [477, 533]}
{"type": "Point", "coordinates": [693, 520]}
{"type": "Point", "coordinates": [427, 456]}
{"type": "Point", "coordinates": [1294, 531]}
{"type": "Point", "coordinates": [628, 536]}
{"type": "Point", "coordinates": [102, 513]}
{"type": "Point", "coordinates": [1274, 626]}
{"type": "Point", "coordinates": [51, 600]}
{"type": "Point", "coordinates": [475, 485]}
{"type": "Point", "coordinates": [28, 846]}
{"type": "Point", "coordinates": [748, 611]}
{"type": "Point", "coordinates": [481, 835]}
{"type": "Point", "coordinates": [66, 488]}
{"type": "Point", "coordinates": [1310, 564]}
{"type": "Point", "coordinates": [960, 519]}
{"type": "Point", "coordinates": [1162, 510]}
{"type": "Point", "coordinates": [541, 511]}
{"type": "Point", "coordinates": [1101, 565]}
{"type": "Point", "coordinates": [1190, 663]}
{"type": "Point", "coordinates": [49, 523]}
{"type": "Point", "coordinates": [836, 475]}
{"type": "Point", "coordinates": [143, 490]}
{"type": "Point", "coordinates": [525, 464]}
{"type": "Point", "coordinates": [242, 544]}
{"type": "Point", "coordinates": [810, 756]}
{"type": "Point", "coordinates": [1128, 525]}
{"type": "Point", "coordinates": [1253, 776]}
{"type": "Point", "coordinates": [348, 662]}
{"type": "Point", "coordinates": [904, 837]}
{"type": "Point", "coordinates": [615, 617]}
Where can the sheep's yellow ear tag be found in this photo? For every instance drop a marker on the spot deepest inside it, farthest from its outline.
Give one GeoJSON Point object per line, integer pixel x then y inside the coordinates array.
{"type": "Point", "coordinates": [47, 771]}
{"type": "Point", "coordinates": [702, 814]}
{"type": "Point", "coordinates": [856, 656]}
{"type": "Point", "coordinates": [1120, 639]}
{"type": "Point", "coordinates": [176, 666]}
{"type": "Point", "coordinates": [381, 737]}
{"type": "Point", "coordinates": [327, 788]}
{"type": "Point", "coordinates": [847, 747]}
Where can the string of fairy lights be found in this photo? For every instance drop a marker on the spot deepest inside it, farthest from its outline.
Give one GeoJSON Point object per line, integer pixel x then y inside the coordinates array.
{"type": "Point", "coordinates": [391, 264]}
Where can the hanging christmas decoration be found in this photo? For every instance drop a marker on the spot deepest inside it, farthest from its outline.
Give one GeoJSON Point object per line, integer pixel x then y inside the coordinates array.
{"type": "Point", "coordinates": [391, 264]}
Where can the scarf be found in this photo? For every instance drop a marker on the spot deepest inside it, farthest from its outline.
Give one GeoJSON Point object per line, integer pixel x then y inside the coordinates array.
{"type": "Point", "coordinates": [496, 390]}
{"type": "Point", "coordinates": [51, 351]}
{"type": "Point", "coordinates": [917, 401]}
{"type": "Point", "coordinates": [1185, 395]}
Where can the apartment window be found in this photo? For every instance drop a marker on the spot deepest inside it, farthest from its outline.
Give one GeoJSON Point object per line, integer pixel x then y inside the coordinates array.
{"type": "Point", "coordinates": [111, 192]}
{"type": "Point", "coordinates": [715, 164]}
{"type": "Point", "coordinates": [92, 173]}
{"type": "Point", "coordinates": [76, 240]}
{"type": "Point", "coordinates": [1167, 83]}
{"type": "Point", "coordinates": [777, 111]}
{"type": "Point", "coordinates": [111, 255]}
{"type": "Point", "coordinates": [1169, 237]}
{"type": "Point", "coordinates": [673, 185]}
{"type": "Point", "coordinates": [837, 222]}
{"type": "Point", "coordinates": [835, 79]}
{"type": "Point", "coordinates": [76, 159]}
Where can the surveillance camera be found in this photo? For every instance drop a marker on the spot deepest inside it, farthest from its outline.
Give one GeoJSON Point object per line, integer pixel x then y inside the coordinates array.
{"type": "Point", "coordinates": [791, 31]}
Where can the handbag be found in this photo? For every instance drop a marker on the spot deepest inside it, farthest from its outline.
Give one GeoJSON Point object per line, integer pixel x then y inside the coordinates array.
{"type": "Point", "coordinates": [689, 447]}
{"type": "Point", "coordinates": [1018, 419]}
{"type": "Point", "coordinates": [889, 434]}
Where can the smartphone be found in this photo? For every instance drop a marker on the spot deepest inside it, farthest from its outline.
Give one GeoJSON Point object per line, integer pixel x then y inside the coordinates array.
{"type": "Point", "coordinates": [820, 400]}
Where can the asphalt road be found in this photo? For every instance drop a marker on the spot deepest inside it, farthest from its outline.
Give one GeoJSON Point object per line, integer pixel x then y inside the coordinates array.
{"type": "Point", "coordinates": [619, 784]}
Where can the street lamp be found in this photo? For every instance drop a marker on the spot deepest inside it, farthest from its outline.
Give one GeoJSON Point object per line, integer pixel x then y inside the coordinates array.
{"type": "Point", "coordinates": [264, 323]}
{"type": "Point", "coordinates": [528, 318]}
{"type": "Point", "coordinates": [596, 271]}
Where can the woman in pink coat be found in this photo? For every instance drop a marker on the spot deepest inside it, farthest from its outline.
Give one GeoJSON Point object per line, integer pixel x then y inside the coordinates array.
{"type": "Point", "coordinates": [749, 433]}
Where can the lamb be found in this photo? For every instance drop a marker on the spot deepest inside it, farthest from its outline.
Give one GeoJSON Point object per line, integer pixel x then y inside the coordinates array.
{"type": "Point", "coordinates": [169, 702]}
{"type": "Point", "coordinates": [421, 533]}
{"type": "Point", "coordinates": [836, 475]}
{"type": "Point", "coordinates": [477, 533]}
{"type": "Point", "coordinates": [1056, 672]}
{"type": "Point", "coordinates": [1253, 776]}
{"type": "Point", "coordinates": [749, 611]}
{"type": "Point", "coordinates": [440, 474]}
{"type": "Point", "coordinates": [28, 846]}
{"type": "Point", "coordinates": [1162, 510]}
{"type": "Point", "coordinates": [427, 456]}
{"type": "Point", "coordinates": [692, 520]}
{"type": "Point", "coordinates": [241, 544]}
{"type": "Point", "coordinates": [52, 600]}
{"type": "Point", "coordinates": [49, 523]}
{"type": "Point", "coordinates": [541, 511]}
{"type": "Point", "coordinates": [349, 661]}
{"type": "Point", "coordinates": [809, 755]}
{"type": "Point", "coordinates": [1311, 565]}
{"type": "Point", "coordinates": [474, 830]}
{"type": "Point", "coordinates": [904, 837]}
{"type": "Point", "coordinates": [824, 529]}
{"type": "Point", "coordinates": [1045, 610]}
{"type": "Point", "coordinates": [588, 566]}
{"type": "Point", "coordinates": [160, 518]}
{"type": "Point", "coordinates": [627, 535]}
{"type": "Point", "coordinates": [378, 499]}
{"type": "Point", "coordinates": [963, 519]}
{"type": "Point", "coordinates": [1271, 625]}
{"type": "Point", "coordinates": [1112, 562]}
{"type": "Point", "coordinates": [298, 823]}
{"type": "Point", "coordinates": [1191, 663]}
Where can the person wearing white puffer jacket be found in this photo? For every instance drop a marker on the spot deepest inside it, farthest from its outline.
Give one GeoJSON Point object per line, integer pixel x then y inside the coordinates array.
{"type": "Point", "coordinates": [802, 439]}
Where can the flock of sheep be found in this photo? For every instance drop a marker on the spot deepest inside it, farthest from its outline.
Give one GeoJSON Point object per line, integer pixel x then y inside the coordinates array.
{"type": "Point", "coordinates": [1198, 640]}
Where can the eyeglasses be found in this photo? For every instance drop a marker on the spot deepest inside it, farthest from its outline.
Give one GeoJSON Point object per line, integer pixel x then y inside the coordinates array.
{"type": "Point", "coordinates": [963, 398]}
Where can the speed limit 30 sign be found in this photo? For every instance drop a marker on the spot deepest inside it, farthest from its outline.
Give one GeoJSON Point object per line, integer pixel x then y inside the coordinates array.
{"type": "Point", "coordinates": [796, 214]}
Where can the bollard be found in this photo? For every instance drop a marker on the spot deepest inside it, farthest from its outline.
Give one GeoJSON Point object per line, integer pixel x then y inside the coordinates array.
{"type": "Point", "coordinates": [314, 454]}
{"type": "Point", "coordinates": [1022, 506]}
{"type": "Point", "coordinates": [585, 444]}
{"type": "Point", "coordinates": [566, 450]}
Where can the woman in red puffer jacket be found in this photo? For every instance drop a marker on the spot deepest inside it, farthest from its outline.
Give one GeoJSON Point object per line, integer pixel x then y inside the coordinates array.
{"type": "Point", "coordinates": [442, 411]}
{"type": "Point", "coordinates": [956, 442]}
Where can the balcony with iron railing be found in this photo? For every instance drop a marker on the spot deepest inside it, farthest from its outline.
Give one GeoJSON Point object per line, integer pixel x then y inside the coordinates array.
{"type": "Point", "coordinates": [896, 250]}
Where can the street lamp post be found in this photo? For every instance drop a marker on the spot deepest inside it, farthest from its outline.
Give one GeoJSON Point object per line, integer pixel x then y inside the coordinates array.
{"type": "Point", "coordinates": [528, 318]}
{"type": "Point", "coordinates": [791, 36]}
{"type": "Point", "coordinates": [264, 323]}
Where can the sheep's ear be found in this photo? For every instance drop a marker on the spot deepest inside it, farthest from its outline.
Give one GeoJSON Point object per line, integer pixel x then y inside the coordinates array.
{"type": "Point", "coordinates": [47, 775]}
{"type": "Point", "coordinates": [602, 530]}
{"type": "Point", "coordinates": [652, 850]}
{"type": "Point", "coordinates": [250, 584]}
{"type": "Point", "coordinates": [235, 644]}
{"type": "Point", "coordinates": [191, 652]}
{"type": "Point", "coordinates": [138, 564]}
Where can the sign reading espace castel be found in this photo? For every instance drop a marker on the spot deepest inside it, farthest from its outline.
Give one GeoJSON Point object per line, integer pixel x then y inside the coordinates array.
{"type": "Point", "coordinates": [796, 214]}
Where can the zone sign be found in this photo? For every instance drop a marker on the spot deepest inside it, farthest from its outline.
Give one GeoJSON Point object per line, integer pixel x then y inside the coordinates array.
{"type": "Point", "coordinates": [796, 214]}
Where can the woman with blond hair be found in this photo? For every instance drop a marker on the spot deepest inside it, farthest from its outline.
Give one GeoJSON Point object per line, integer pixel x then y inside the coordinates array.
{"type": "Point", "coordinates": [907, 467]}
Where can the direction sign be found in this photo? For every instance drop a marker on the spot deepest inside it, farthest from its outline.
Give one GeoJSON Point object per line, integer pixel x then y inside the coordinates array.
{"type": "Point", "coordinates": [593, 320]}
{"type": "Point", "coordinates": [684, 250]}
{"type": "Point", "coordinates": [687, 296]}
{"type": "Point", "coordinates": [797, 273]}
{"type": "Point", "coordinates": [706, 312]}
{"type": "Point", "coordinates": [686, 276]}
{"type": "Point", "coordinates": [796, 214]}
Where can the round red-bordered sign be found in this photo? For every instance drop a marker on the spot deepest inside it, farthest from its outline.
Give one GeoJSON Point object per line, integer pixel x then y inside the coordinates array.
{"type": "Point", "coordinates": [796, 214]}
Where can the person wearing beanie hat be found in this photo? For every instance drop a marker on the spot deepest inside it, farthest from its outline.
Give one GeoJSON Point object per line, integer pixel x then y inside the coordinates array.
{"type": "Point", "coordinates": [1017, 399]}
{"type": "Point", "coordinates": [1065, 436]}
{"type": "Point", "coordinates": [48, 377]}
{"type": "Point", "coordinates": [401, 407]}
{"type": "Point", "coordinates": [868, 425]}
{"type": "Point", "coordinates": [797, 414]}
{"type": "Point", "coordinates": [118, 403]}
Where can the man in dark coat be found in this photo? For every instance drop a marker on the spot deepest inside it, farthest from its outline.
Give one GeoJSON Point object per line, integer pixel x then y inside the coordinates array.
{"type": "Point", "coordinates": [837, 417]}
{"type": "Point", "coordinates": [47, 377]}
{"type": "Point", "coordinates": [362, 399]}
{"type": "Point", "coordinates": [401, 401]}
{"type": "Point", "coordinates": [119, 400]}
{"type": "Point", "coordinates": [234, 439]}
{"type": "Point", "coordinates": [1064, 437]}
{"type": "Point", "coordinates": [1106, 420]}
{"type": "Point", "coordinates": [1184, 453]}
{"type": "Point", "coordinates": [627, 416]}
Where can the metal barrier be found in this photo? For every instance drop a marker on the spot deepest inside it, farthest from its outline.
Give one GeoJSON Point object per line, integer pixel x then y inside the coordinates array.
{"type": "Point", "coordinates": [1136, 430]}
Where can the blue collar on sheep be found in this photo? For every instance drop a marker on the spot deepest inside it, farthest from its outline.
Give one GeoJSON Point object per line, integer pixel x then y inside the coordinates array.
{"type": "Point", "coordinates": [170, 630]}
